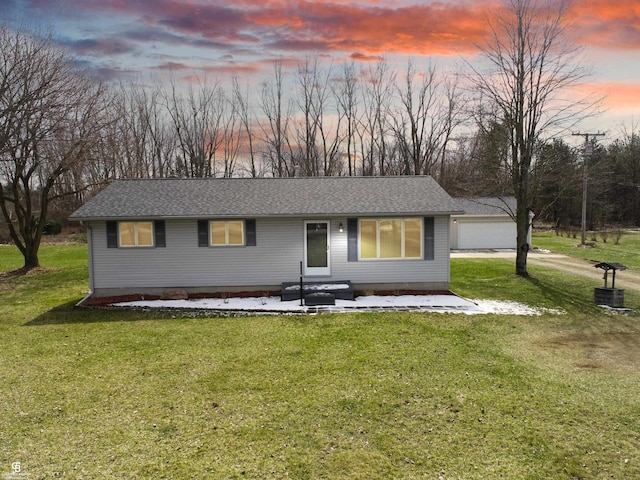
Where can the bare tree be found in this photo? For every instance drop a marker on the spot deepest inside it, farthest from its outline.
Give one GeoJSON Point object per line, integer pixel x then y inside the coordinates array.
{"type": "Point", "coordinates": [311, 101]}
{"type": "Point", "coordinates": [49, 119]}
{"type": "Point", "coordinates": [453, 115]}
{"type": "Point", "coordinates": [132, 133]}
{"type": "Point", "coordinates": [197, 120]}
{"type": "Point", "coordinates": [161, 138]}
{"type": "Point", "coordinates": [413, 124]}
{"type": "Point", "coordinates": [245, 132]}
{"type": "Point", "coordinates": [230, 139]}
{"type": "Point", "coordinates": [531, 67]}
{"type": "Point", "coordinates": [347, 102]}
{"type": "Point", "coordinates": [141, 139]}
{"type": "Point", "coordinates": [374, 129]}
{"type": "Point", "coordinates": [328, 132]}
{"type": "Point", "coordinates": [428, 113]}
{"type": "Point", "coordinates": [275, 128]}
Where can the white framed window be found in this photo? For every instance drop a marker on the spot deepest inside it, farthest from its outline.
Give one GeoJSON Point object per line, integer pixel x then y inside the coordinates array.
{"type": "Point", "coordinates": [223, 233]}
{"type": "Point", "coordinates": [135, 234]}
{"type": "Point", "coordinates": [390, 238]}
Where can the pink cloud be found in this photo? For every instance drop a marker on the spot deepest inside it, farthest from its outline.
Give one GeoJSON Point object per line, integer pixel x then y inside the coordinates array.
{"type": "Point", "coordinates": [421, 29]}
{"type": "Point", "coordinates": [620, 96]}
{"type": "Point", "coordinates": [608, 24]}
{"type": "Point", "coordinates": [369, 28]}
{"type": "Point", "coordinates": [299, 25]}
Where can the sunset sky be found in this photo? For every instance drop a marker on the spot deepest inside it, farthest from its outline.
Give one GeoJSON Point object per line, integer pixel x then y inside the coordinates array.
{"type": "Point", "coordinates": [129, 38]}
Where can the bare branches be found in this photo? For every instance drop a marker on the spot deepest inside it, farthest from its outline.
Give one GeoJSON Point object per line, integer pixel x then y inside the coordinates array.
{"type": "Point", "coordinates": [424, 124]}
{"type": "Point", "coordinates": [275, 128]}
{"type": "Point", "coordinates": [531, 66]}
{"type": "Point", "coordinates": [197, 117]}
{"type": "Point", "coordinates": [50, 117]}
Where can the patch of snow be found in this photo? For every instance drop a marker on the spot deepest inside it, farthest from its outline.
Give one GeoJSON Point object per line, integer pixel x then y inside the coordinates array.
{"type": "Point", "coordinates": [318, 286]}
{"type": "Point", "coordinates": [616, 309]}
{"type": "Point", "coordinates": [433, 303]}
{"type": "Point", "coordinates": [514, 308]}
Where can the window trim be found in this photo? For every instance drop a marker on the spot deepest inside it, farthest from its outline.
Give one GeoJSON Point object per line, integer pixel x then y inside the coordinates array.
{"type": "Point", "coordinates": [403, 256]}
{"type": "Point", "coordinates": [226, 223]}
{"type": "Point", "coordinates": [136, 243]}
{"type": "Point", "coordinates": [158, 230]}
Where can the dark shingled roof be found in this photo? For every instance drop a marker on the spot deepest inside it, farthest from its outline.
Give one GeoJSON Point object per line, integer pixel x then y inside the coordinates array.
{"type": "Point", "coordinates": [268, 197]}
{"type": "Point", "coordinates": [487, 206]}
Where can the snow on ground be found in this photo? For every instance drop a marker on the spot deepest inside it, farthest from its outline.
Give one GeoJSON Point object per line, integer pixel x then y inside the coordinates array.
{"type": "Point", "coordinates": [433, 303]}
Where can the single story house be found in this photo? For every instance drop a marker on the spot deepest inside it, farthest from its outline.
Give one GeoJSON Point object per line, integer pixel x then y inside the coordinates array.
{"type": "Point", "coordinates": [487, 223]}
{"type": "Point", "coordinates": [240, 235]}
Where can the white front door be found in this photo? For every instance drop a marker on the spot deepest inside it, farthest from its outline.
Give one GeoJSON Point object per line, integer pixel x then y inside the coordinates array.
{"type": "Point", "coordinates": [316, 248]}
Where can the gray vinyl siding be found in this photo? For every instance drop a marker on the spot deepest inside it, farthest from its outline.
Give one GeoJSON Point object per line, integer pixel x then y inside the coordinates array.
{"type": "Point", "coordinates": [275, 259]}
{"type": "Point", "coordinates": [182, 263]}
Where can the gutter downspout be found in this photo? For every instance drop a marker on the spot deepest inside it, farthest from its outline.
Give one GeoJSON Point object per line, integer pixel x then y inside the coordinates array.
{"type": "Point", "coordinates": [90, 261]}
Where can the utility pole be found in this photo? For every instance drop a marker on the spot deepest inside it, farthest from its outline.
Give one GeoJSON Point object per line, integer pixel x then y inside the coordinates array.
{"type": "Point", "coordinates": [588, 150]}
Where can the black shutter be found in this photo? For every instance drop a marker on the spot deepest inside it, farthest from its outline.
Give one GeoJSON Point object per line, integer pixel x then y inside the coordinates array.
{"type": "Point", "coordinates": [250, 232]}
{"type": "Point", "coordinates": [203, 233]}
{"type": "Point", "coordinates": [352, 239]}
{"type": "Point", "coordinates": [429, 238]}
{"type": "Point", "coordinates": [158, 229]}
{"type": "Point", "coordinates": [112, 234]}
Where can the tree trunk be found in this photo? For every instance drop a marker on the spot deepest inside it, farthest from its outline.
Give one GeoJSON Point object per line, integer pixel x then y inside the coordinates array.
{"type": "Point", "coordinates": [31, 260]}
{"type": "Point", "coordinates": [522, 238]}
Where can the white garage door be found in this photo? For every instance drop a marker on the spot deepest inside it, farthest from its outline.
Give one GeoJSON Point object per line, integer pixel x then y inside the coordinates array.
{"type": "Point", "coordinates": [486, 235]}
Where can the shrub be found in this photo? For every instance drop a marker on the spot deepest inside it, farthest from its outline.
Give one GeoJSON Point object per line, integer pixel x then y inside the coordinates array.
{"type": "Point", "coordinates": [53, 227]}
{"type": "Point", "coordinates": [617, 234]}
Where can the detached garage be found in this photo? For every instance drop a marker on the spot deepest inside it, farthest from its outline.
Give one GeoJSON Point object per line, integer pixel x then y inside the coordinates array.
{"type": "Point", "coordinates": [486, 224]}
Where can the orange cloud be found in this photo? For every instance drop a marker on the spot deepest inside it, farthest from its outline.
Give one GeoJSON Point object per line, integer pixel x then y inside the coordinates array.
{"type": "Point", "coordinates": [338, 25]}
{"type": "Point", "coordinates": [608, 24]}
{"type": "Point", "coordinates": [438, 28]}
{"type": "Point", "coordinates": [369, 26]}
{"type": "Point", "coordinates": [364, 30]}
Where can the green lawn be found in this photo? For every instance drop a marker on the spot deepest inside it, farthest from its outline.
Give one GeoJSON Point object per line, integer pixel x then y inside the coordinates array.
{"type": "Point", "coordinates": [109, 394]}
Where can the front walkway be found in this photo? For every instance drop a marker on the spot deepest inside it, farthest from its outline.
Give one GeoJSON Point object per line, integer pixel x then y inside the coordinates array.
{"type": "Point", "coordinates": [374, 303]}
